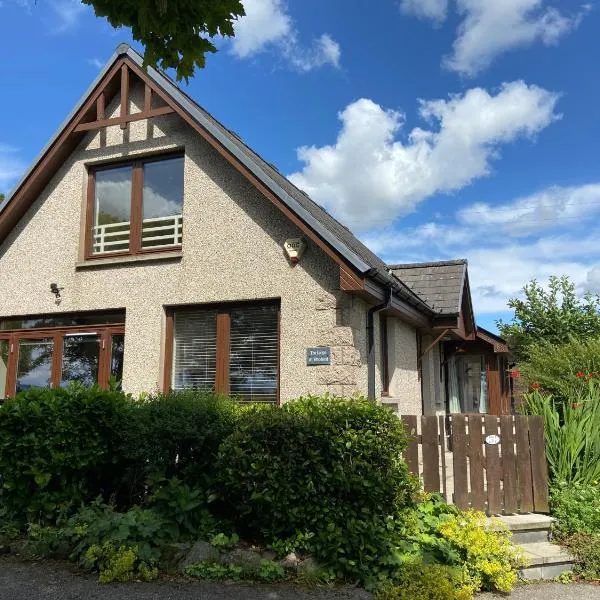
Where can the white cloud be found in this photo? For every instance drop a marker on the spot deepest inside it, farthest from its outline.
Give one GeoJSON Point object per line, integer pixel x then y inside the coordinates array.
{"type": "Point", "coordinates": [369, 177]}
{"type": "Point", "coordinates": [552, 207]}
{"type": "Point", "coordinates": [96, 62]}
{"type": "Point", "coordinates": [489, 28]}
{"type": "Point", "coordinates": [267, 25]}
{"type": "Point", "coordinates": [11, 167]}
{"type": "Point", "coordinates": [493, 27]}
{"type": "Point", "coordinates": [67, 13]}
{"type": "Point", "coordinates": [436, 10]}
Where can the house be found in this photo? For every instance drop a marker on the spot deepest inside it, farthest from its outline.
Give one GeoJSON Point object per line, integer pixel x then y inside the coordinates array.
{"type": "Point", "coordinates": [148, 244]}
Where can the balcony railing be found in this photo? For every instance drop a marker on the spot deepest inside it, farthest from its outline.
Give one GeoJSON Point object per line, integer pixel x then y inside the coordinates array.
{"type": "Point", "coordinates": [156, 233]}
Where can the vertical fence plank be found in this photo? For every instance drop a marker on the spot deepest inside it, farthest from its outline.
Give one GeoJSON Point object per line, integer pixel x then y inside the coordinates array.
{"type": "Point", "coordinates": [509, 465]}
{"type": "Point", "coordinates": [524, 465]}
{"type": "Point", "coordinates": [476, 462]}
{"type": "Point", "coordinates": [539, 467]}
{"type": "Point", "coordinates": [431, 462]}
{"type": "Point", "coordinates": [459, 451]}
{"type": "Point", "coordinates": [411, 454]}
{"type": "Point", "coordinates": [493, 469]}
{"type": "Point", "coordinates": [442, 430]}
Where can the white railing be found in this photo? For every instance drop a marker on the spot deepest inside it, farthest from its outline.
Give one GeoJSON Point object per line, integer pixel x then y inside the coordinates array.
{"type": "Point", "coordinates": [157, 232]}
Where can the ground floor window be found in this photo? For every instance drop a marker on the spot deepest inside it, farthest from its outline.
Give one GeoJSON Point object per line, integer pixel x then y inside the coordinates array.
{"type": "Point", "coordinates": [56, 350]}
{"type": "Point", "coordinates": [232, 349]}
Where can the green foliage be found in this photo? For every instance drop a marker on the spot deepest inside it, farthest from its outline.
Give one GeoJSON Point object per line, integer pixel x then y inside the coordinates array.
{"type": "Point", "coordinates": [224, 542]}
{"type": "Point", "coordinates": [572, 433]}
{"type": "Point", "coordinates": [299, 542]}
{"type": "Point", "coordinates": [562, 370]}
{"type": "Point", "coordinates": [576, 507]}
{"type": "Point", "coordinates": [320, 465]}
{"type": "Point", "coordinates": [183, 507]}
{"type": "Point", "coordinates": [552, 316]}
{"type": "Point", "coordinates": [209, 569]}
{"type": "Point", "coordinates": [175, 34]}
{"type": "Point", "coordinates": [269, 571]}
{"type": "Point", "coordinates": [586, 550]}
{"type": "Point", "coordinates": [2, 198]}
{"type": "Point", "coordinates": [58, 449]}
{"type": "Point", "coordinates": [417, 581]}
{"type": "Point", "coordinates": [139, 529]}
{"type": "Point", "coordinates": [43, 540]}
{"type": "Point", "coordinates": [120, 563]}
{"type": "Point", "coordinates": [175, 435]}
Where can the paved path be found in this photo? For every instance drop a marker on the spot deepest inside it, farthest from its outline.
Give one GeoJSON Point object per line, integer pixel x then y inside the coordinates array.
{"type": "Point", "coordinates": [60, 581]}
{"type": "Point", "coordinates": [56, 581]}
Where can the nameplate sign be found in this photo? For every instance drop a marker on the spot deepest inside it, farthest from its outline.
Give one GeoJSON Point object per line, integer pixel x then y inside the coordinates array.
{"type": "Point", "coordinates": [318, 356]}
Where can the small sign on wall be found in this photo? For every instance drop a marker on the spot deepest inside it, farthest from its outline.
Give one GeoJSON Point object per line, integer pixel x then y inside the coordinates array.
{"type": "Point", "coordinates": [318, 356]}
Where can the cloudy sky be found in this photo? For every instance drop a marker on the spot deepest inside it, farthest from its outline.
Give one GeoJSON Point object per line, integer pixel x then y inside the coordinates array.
{"type": "Point", "coordinates": [435, 129]}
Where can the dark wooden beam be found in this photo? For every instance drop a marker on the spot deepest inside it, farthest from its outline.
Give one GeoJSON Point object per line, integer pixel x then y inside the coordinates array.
{"type": "Point", "coordinates": [124, 96]}
{"type": "Point", "coordinates": [157, 112]}
{"type": "Point", "coordinates": [100, 107]}
{"type": "Point", "coordinates": [147, 98]}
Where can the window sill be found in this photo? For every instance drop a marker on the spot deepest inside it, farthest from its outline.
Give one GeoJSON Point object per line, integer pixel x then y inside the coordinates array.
{"type": "Point", "coordinates": [111, 261]}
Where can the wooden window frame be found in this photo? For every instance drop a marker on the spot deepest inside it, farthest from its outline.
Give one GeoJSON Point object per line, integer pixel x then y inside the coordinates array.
{"type": "Point", "coordinates": [223, 311]}
{"type": "Point", "coordinates": [137, 205]}
{"type": "Point", "coordinates": [104, 332]}
{"type": "Point", "coordinates": [385, 367]}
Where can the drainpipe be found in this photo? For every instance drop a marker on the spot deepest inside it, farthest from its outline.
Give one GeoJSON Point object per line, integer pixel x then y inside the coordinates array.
{"type": "Point", "coordinates": [371, 343]}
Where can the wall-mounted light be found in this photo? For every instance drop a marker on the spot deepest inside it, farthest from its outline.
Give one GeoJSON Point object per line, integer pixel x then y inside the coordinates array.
{"type": "Point", "coordinates": [55, 289]}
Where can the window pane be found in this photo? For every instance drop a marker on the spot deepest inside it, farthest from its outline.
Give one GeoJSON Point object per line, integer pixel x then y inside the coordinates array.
{"type": "Point", "coordinates": [4, 348]}
{"type": "Point", "coordinates": [34, 367]}
{"type": "Point", "coordinates": [116, 359]}
{"type": "Point", "coordinates": [254, 354]}
{"type": "Point", "coordinates": [64, 320]}
{"type": "Point", "coordinates": [112, 211]}
{"type": "Point", "coordinates": [80, 360]}
{"type": "Point", "coordinates": [195, 350]}
{"type": "Point", "coordinates": [162, 203]}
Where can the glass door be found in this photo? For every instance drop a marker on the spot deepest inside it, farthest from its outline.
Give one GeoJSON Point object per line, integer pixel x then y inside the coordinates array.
{"type": "Point", "coordinates": [4, 357]}
{"type": "Point", "coordinates": [80, 359]}
{"type": "Point", "coordinates": [34, 363]}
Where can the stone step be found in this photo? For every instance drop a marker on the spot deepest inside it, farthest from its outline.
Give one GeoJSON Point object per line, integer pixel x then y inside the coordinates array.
{"type": "Point", "coordinates": [529, 528]}
{"type": "Point", "coordinates": [546, 561]}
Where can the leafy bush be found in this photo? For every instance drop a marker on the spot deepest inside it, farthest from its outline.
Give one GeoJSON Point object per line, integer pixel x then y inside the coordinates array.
{"type": "Point", "coordinates": [175, 435]}
{"type": "Point", "coordinates": [416, 581]}
{"type": "Point", "coordinates": [576, 508]}
{"type": "Point", "coordinates": [267, 570]}
{"type": "Point", "coordinates": [58, 449]}
{"type": "Point", "coordinates": [572, 432]}
{"type": "Point", "coordinates": [118, 563]}
{"type": "Point", "coordinates": [586, 550]}
{"type": "Point", "coordinates": [558, 368]}
{"type": "Point", "coordinates": [318, 465]}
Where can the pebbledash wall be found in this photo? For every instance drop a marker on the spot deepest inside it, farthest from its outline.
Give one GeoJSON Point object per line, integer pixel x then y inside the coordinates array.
{"type": "Point", "coordinates": [232, 250]}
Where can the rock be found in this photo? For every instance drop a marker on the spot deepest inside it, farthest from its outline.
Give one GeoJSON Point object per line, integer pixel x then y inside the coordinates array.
{"type": "Point", "coordinates": [171, 555]}
{"type": "Point", "coordinates": [20, 547]}
{"type": "Point", "coordinates": [199, 552]}
{"type": "Point", "coordinates": [243, 558]}
{"type": "Point", "coordinates": [308, 566]}
{"type": "Point", "coordinates": [291, 561]}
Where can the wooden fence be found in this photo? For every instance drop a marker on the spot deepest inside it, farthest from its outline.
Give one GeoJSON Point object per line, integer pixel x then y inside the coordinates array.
{"type": "Point", "coordinates": [483, 462]}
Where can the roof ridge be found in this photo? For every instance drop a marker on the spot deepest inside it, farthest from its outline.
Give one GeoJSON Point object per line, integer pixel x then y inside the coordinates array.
{"type": "Point", "coordinates": [440, 263]}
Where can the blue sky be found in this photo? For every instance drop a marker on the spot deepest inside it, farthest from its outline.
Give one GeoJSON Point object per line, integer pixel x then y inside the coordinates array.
{"type": "Point", "coordinates": [435, 129]}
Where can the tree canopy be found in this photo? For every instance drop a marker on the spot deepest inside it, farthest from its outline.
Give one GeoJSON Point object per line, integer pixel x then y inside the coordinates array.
{"type": "Point", "coordinates": [2, 198]}
{"type": "Point", "coordinates": [176, 34]}
{"type": "Point", "coordinates": [553, 315]}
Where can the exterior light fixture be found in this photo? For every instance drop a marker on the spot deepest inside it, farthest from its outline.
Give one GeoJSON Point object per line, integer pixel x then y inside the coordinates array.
{"type": "Point", "coordinates": [55, 289]}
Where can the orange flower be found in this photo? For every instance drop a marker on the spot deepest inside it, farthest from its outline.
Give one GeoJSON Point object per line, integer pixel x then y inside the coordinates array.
{"type": "Point", "coordinates": [535, 386]}
{"type": "Point", "coordinates": [580, 375]}
{"type": "Point", "coordinates": [515, 374]}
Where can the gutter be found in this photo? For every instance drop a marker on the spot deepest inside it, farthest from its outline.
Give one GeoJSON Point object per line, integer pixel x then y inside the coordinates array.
{"type": "Point", "coordinates": [371, 343]}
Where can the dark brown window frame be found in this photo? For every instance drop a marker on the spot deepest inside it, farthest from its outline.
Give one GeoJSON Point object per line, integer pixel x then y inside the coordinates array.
{"type": "Point", "coordinates": [223, 310]}
{"type": "Point", "coordinates": [57, 334]}
{"type": "Point", "coordinates": [385, 368]}
{"type": "Point", "coordinates": [136, 218]}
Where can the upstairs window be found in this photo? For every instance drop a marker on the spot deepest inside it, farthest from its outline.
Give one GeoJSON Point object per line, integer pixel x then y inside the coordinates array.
{"type": "Point", "coordinates": [135, 207]}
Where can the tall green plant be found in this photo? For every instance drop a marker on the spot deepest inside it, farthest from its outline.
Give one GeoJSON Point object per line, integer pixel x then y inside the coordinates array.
{"type": "Point", "coordinates": [572, 433]}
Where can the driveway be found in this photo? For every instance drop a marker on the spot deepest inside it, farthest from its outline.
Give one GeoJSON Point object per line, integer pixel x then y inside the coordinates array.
{"type": "Point", "coordinates": [59, 581]}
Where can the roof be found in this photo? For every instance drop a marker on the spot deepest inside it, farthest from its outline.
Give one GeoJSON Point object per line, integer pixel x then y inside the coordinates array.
{"type": "Point", "coordinates": [500, 345]}
{"type": "Point", "coordinates": [339, 237]}
{"type": "Point", "coordinates": [439, 284]}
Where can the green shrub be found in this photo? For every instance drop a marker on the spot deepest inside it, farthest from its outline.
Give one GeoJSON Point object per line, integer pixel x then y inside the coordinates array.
{"type": "Point", "coordinates": [319, 465]}
{"type": "Point", "coordinates": [555, 366]}
{"type": "Point", "coordinates": [427, 582]}
{"type": "Point", "coordinates": [212, 570]}
{"type": "Point", "coordinates": [572, 433]}
{"type": "Point", "coordinates": [58, 449]}
{"type": "Point", "coordinates": [586, 550]}
{"type": "Point", "coordinates": [576, 508]}
{"type": "Point", "coordinates": [120, 563]}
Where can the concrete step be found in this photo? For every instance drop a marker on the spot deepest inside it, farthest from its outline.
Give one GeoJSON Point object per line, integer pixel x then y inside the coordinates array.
{"type": "Point", "coordinates": [546, 561]}
{"type": "Point", "coordinates": [529, 528]}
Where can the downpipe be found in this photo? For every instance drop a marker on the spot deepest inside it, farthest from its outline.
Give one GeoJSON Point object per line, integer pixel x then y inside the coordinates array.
{"type": "Point", "coordinates": [371, 343]}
